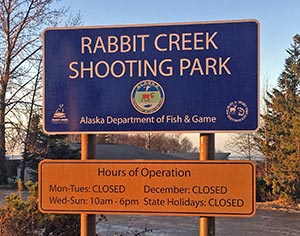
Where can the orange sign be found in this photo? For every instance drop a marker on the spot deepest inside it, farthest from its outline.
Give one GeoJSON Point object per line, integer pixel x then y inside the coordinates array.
{"type": "Point", "coordinates": [201, 188]}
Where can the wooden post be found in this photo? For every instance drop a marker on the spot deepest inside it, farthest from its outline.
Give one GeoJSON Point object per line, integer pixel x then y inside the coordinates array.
{"type": "Point", "coordinates": [207, 152]}
{"type": "Point", "coordinates": [88, 151]}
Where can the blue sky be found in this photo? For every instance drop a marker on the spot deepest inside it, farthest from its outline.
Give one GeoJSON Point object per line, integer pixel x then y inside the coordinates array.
{"type": "Point", "coordinates": [279, 22]}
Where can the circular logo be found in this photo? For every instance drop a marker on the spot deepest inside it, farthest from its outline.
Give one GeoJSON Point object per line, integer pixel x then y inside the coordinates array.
{"type": "Point", "coordinates": [237, 111]}
{"type": "Point", "coordinates": [147, 96]}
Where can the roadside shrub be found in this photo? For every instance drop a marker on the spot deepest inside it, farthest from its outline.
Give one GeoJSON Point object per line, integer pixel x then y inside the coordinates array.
{"type": "Point", "coordinates": [20, 218]}
{"type": "Point", "coordinates": [263, 190]}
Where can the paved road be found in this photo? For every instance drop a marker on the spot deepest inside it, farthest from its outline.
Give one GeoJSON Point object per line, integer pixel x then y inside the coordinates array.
{"type": "Point", "coordinates": [264, 223]}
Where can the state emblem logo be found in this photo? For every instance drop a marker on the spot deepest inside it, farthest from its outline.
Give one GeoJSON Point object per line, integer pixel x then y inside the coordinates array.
{"type": "Point", "coordinates": [59, 116]}
{"type": "Point", "coordinates": [147, 96]}
{"type": "Point", "coordinates": [237, 111]}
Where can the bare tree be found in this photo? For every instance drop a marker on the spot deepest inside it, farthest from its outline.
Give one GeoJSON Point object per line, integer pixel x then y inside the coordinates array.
{"type": "Point", "coordinates": [187, 145]}
{"type": "Point", "coordinates": [21, 23]}
{"type": "Point", "coordinates": [157, 142]}
{"type": "Point", "coordinates": [243, 144]}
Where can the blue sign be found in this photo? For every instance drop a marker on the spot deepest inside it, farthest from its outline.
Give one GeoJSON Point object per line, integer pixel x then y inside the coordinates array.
{"type": "Point", "coordinates": [165, 77]}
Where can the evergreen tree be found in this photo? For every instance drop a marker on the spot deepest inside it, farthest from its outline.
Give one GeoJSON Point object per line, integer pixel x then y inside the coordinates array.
{"type": "Point", "coordinates": [279, 136]}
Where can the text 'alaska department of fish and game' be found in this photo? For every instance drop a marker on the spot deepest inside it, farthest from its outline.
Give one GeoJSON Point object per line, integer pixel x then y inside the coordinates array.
{"type": "Point", "coordinates": [164, 119]}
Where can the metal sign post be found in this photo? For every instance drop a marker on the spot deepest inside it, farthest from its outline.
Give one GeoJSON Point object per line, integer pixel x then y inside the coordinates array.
{"type": "Point", "coordinates": [207, 152]}
{"type": "Point", "coordinates": [88, 151]}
